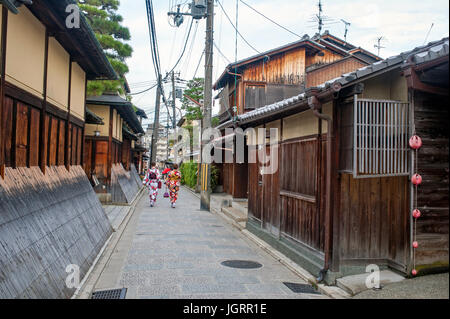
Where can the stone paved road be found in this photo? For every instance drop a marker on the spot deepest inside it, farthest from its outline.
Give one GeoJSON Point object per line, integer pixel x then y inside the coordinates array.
{"type": "Point", "coordinates": [177, 253]}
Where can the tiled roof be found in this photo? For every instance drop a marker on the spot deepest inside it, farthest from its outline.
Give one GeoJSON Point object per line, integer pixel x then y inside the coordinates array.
{"type": "Point", "coordinates": [124, 107]}
{"type": "Point", "coordinates": [425, 53]}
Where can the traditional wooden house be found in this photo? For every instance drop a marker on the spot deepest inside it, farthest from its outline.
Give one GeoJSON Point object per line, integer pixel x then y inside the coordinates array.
{"type": "Point", "coordinates": [275, 75]}
{"type": "Point", "coordinates": [111, 150]}
{"type": "Point", "coordinates": [50, 217]}
{"type": "Point", "coordinates": [342, 196]}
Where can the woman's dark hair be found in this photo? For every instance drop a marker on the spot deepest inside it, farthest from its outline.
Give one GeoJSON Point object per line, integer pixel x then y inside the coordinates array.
{"type": "Point", "coordinates": [153, 164]}
{"type": "Point", "coordinates": [175, 166]}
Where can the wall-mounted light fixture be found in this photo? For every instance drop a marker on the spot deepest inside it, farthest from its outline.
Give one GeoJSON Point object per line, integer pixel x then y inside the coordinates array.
{"type": "Point", "coordinates": [97, 132]}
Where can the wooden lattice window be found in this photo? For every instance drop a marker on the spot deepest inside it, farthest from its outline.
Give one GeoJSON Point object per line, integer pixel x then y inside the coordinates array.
{"type": "Point", "coordinates": [381, 133]}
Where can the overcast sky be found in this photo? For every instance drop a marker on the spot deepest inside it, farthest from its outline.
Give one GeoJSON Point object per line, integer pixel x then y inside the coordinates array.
{"type": "Point", "coordinates": [404, 25]}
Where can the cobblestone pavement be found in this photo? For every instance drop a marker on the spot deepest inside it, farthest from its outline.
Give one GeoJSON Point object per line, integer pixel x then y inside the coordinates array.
{"type": "Point", "coordinates": [177, 253]}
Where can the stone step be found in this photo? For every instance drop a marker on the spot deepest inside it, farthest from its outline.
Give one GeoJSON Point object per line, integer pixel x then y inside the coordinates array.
{"type": "Point", "coordinates": [236, 215]}
{"type": "Point", "coordinates": [241, 206]}
{"type": "Point", "coordinates": [357, 283]}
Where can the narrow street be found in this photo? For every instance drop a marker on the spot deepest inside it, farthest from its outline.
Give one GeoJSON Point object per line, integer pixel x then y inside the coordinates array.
{"type": "Point", "coordinates": [177, 253]}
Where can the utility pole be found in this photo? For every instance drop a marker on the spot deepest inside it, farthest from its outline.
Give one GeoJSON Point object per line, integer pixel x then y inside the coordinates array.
{"type": "Point", "coordinates": [207, 104]}
{"type": "Point", "coordinates": [156, 121]}
{"type": "Point", "coordinates": [174, 118]}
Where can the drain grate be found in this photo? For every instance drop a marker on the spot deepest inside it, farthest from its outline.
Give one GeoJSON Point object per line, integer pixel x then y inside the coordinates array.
{"type": "Point", "coordinates": [110, 294]}
{"type": "Point", "coordinates": [243, 264]}
{"type": "Point", "coordinates": [301, 288]}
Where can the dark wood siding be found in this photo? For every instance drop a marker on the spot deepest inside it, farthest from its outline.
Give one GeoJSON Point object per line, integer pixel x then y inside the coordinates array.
{"type": "Point", "coordinates": [374, 215]}
{"type": "Point", "coordinates": [302, 218]}
{"type": "Point", "coordinates": [34, 137]}
{"type": "Point", "coordinates": [334, 70]}
{"type": "Point", "coordinates": [431, 123]}
{"type": "Point", "coordinates": [21, 134]}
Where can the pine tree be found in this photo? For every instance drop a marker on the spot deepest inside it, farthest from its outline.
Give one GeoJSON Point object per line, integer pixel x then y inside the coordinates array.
{"type": "Point", "coordinates": [106, 23]}
{"type": "Point", "coordinates": [194, 91]}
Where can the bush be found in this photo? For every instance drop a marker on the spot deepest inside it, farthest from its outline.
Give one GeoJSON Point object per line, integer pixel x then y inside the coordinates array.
{"type": "Point", "coordinates": [189, 175]}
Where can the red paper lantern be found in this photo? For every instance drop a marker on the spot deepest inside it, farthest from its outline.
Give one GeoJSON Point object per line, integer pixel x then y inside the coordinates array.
{"type": "Point", "coordinates": [414, 272]}
{"type": "Point", "coordinates": [415, 142]}
{"type": "Point", "coordinates": [416, 179]}
{"type": "Point", "coordinates": [416, 213]}
{"type": "Point", "coordinates": [415, 244]}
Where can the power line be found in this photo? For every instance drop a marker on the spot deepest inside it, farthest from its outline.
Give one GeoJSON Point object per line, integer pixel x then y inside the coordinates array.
{"type": "Point", "coordinates": [199, 61]}
{"type": "Point", "coordinates": [270, 19]}
{"type": "Point", "coordinates": [229, 20]}
{"type": "Point", "coordinates": [191, 47]}
{"type": "Point", "coordinates": [215, 45]}
{"type": "Point", "coordinates": [146, 90]}
{"type": "Point", "coordinates": [184, 48]}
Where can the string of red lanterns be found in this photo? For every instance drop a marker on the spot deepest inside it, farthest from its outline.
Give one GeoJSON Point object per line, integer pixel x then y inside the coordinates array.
{"type": "Point", "coordinates": [415, 142]}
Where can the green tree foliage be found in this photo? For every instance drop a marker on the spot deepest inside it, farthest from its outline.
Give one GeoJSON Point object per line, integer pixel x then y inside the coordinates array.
{"type": "Point", "coordinates": [189, 175]}
{"type": "Point", "coordinates": [194, 91]}
{"type": "Point", "coordinates": [106, 23]}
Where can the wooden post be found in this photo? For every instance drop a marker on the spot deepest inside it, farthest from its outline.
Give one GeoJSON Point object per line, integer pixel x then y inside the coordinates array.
{"type": "Point", "coordinates": [66, 133]}
{"type": "Point", "coordinates": [109, 159]}
{"type": "Point", "coordinates": [335, 189]}
{"type": "Point", "coordinates": [83, 132]}
{"type": "Point", "coordinates": [42, 139]}
{"type": "Point", "coordinates": [2, 88]}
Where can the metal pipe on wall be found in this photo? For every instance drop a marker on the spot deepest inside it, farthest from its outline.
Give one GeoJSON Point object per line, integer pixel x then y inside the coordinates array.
{"type": "Point", "coordinates": [315, 105]}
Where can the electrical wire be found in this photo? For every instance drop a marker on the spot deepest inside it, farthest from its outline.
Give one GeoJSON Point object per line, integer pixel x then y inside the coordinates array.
{"type": "Point", "coordinates": [199, 61]}
{"type": "Point", "coordinates": [231, 22]}
{"type": "Point", "coordinates": [218, 50]}
{"type": "Point", "coordinates": [189, 54]}
{"type": "Point", "coordinates": [270, 19]}
{"type": "Point", "coordinates": [184, 48]}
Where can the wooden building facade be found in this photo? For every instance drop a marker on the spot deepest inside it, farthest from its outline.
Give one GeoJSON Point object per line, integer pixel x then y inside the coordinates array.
{"type": "Point", "coordinates": [50, 216]}
{"type": "Point", "coordinates": [276, 75]}
{"type": "Point", "coordinates": [43, 108]}
{"type": "Point", "coordinates": [342, 196]}
{"type": "Point", "coordinates": [113, 144]}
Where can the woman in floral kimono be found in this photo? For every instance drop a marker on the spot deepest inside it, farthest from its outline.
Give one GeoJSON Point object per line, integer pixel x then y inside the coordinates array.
{"type": "Point", "coordinates": [151, 180]}
{"type": "Point", "coordinates": [174, 180]}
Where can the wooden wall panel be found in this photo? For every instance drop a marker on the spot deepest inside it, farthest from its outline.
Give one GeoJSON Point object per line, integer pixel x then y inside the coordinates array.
{"type": "Point", "coordinates": [7, 120]}
{"type": "Point", "coordinates": [53, 141]}
{"type": "Point", "coordinates": [374, 218]}
{"type": "Point", "coordinates": [101, 159]}
{"type": "Point", "coordinates": [61, 140]}
{"type": "Point", "coordinates": [302, 207]}
{"type": "Point", "coordinates": [254, 193]}
{"type": "Point", "coordinates": [34, 137]}
{"type": "Point", "coordinates": [325, 73]}
{"type": "Point", "coordinates": [87, 154]}
{"type": "Point", "coordinates": [431, 123]}
{"type": "Point", "coordinates": [79, 145]}
{"type": "Point", "coordinates": [74, 145]}
{"type": "Point", "coordinates": [21, 135]}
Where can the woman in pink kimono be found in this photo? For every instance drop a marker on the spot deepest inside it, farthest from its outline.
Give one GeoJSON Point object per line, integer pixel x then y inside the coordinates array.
{"type": "Point", "coordinates": [151, 180]}
{"type": "Point", "coordinates": [174, 181]}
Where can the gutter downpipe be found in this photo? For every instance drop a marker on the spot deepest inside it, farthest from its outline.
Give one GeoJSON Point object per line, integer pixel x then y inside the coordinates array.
{"type": "Point", "coordinates": [235, 92]}
{"type": "Point", "coordinates": [316, 105]}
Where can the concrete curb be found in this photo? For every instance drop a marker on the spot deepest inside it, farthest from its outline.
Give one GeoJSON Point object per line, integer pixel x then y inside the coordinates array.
{"type": "Point", "coordinates": [88, 284]}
